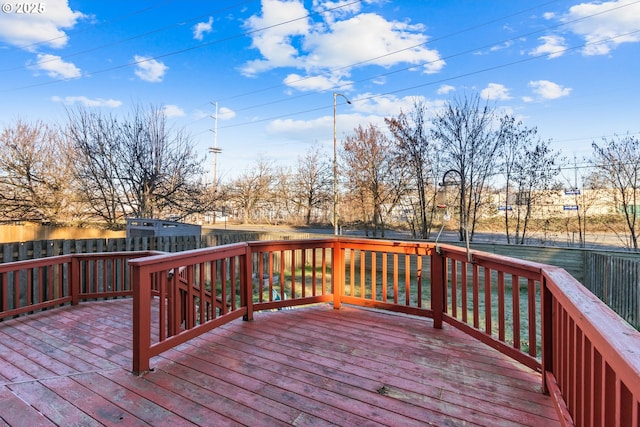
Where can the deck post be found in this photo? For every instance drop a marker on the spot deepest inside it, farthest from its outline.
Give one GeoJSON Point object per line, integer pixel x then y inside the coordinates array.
{"type": "Point", "coordinates": [140, 282]}
{"type": "Point", "coordinates": [74, 285]}
{"type": "Point", "coordinates": [438, 282]}
{"type": "Point", "coordinates": [246, 283]}
{"type": "Point", "coordinates": [546, 326]}
{"type": "Point", "coordinates": [337, 267]}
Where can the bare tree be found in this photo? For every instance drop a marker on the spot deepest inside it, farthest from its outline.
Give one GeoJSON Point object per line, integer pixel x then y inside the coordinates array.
{"type": "Point", "coordinates": [513, 135]}
{"type": "Point", "coordinates": [469, 144]}
{"type": "Point", "coordinates": [136, 166]}
{"type": "Point", "coordinates": [374, 174]}
{"type": "Point", "coordinates": [529, 168]}
{"type": "Point", "coordinates": [34, 166]}
{"type": "Point", "coordinates": [585, 193]}
{"type": "Point", "coordinates": [418, 151]}
{"type": "Point", "coordinates": [535, 174]}
{"type": "Point", "coordinates": [251, 191]}
{"type": "Point", "coordinates": [283, 201]}
{"type": "Point", "coordinates": [162, 164]}
{"type": "Point", "coordinates": [312, 182]}
{"type": "Point", "coordinates": [618, 160]}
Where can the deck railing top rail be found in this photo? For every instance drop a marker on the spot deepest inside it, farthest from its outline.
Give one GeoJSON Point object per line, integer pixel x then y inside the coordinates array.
{"type": "Point", "coordinates": [592, 322]}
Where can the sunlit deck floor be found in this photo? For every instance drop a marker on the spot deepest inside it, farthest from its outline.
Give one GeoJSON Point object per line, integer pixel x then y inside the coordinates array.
{"type": "Point", "coordinates": [308, 366]}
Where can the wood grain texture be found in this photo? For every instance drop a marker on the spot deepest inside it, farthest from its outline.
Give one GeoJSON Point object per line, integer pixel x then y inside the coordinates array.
{"type": "Point", "coordinates": [306, 366]}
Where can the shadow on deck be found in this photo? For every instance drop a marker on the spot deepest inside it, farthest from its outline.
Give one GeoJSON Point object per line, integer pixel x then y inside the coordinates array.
{"type": "Point", "coordinates": [307, 366]}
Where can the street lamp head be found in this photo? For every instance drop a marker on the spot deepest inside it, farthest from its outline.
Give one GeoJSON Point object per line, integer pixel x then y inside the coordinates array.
{"type": "Point", "coordinates": [336, 94]}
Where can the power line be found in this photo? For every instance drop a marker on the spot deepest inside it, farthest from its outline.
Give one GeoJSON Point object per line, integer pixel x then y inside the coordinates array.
{"type": "Point", "coordinates": [413, 67]}
{"type": "Point", "coordinates": [470, 51]}
{"type": "Point", "coordinates": [116, 19]}
{"type": "Point", "coordinates": [431, 41]}
{"type": "Point", "coordinates": [188, 49]}
{"type": "Point", "coordinates": [134, 37]}
{"type": "Point", "coordinates": [362, 62]}
{"type": "Point", "coordinates": [446, 79]}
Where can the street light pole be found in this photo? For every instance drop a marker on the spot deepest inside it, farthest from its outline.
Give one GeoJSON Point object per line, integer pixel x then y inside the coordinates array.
{"type": "Point", "coordinates": [335, 163]}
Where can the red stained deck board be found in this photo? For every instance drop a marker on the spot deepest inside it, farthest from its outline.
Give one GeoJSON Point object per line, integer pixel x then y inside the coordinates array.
{"type": "Point", "coordinates": [438, 351]}
{"type": "Point", "coordinates": [308, 366]}
{"type": "Point", "coordinates": [17, 413]}
{"type": "Point", "coordinates": [104, 410]}
{"type": "Point", "coordinates": [282, 390]}
{"type": "Point", "coordinates": [362, 395]}
{"type": "Point", "coordinates": [205, 390]}
{"type": "Point", "coordinates": [59, 362]}
{"type": "Point", "coordinates": [397, 382]}
{"type": "Point", "coordinates": [80, 335]}
{"type": "Point", "coordinates": [455, 366]}
{"type": "Point", "coordinates": [52, 406]}
{"type": "Point", "coordinates": [147, 410]}
{"type": "Point", "coordinates": [11, 373]}
{"type": "Point", "coordinates": [198, 411]}
{"type": "Point", "coordinates": [30, 369]}
{"type": "Point", "coordinates": [72, 353]}
{"type": "Point", "coordinates": [468, 352]}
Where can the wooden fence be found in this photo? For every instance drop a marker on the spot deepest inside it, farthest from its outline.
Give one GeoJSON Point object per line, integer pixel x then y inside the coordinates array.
{"type": "Point", "coordinates": [616, 281]}
{"type": "Point", "coordinates": [21, 251]}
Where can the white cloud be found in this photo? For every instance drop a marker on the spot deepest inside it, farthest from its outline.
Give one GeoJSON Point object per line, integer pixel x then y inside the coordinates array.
{"type": "Point", "coordinates": [171, 111]}
{"type": "Point", "coordinates": [327, 50]}
{"type": "Point", "coordinates": [359, 39]}
{"type": "Point", "coordinates": [321, 128]}
{"type": "Point", "coordinates": [607, 22]}
{"type": "Point", "coordinates": [149, 69]}
{"type": "Point", "coordinates": [316, 83]}
{"type": "Point", "coordinates": [293, 127]}
{"type": "Point", "coordinates": [202, 28]}
{"type": "Point", "coordinates": [365, 108]}
{"type": "Point", "coordinates": [55, 67]}
{"type": "Point", "coordinates": [225, 113]}
{"type": "Point", "coordinates": [87, 102]}
{"type": "Point", "coordinates": [553, 46]}
{"type": "Point", "coordinates": [495, 48]}
{"type": "Point", "coordinates": [386, 105]}
{"type": "Point", "coordinates": [334, 9]}
{"type": "Point", "coordinates": [32, 30]}
{"type": "Point", "coordinates": [495, 92]}
{"type": "Point", "coordinates": [276, 42]}
{"type": "Point", "coordinates": [548, 90]}
{"type": "Point", "coordinates": [445, 89]}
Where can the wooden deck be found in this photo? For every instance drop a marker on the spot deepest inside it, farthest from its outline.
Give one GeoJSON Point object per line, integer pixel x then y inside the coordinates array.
{"type": "Point", "coordinates": [307, 366]}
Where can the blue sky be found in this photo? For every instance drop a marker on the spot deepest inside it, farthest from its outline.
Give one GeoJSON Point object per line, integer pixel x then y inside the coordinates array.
{"type": "Point", "coordinates": [569, 68]}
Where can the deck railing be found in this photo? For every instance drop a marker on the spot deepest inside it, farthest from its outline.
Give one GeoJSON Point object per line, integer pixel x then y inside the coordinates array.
{"type": "Point", "coordinates": [33, 285]}
{"type": "Point", "coordinates": [539, 315]}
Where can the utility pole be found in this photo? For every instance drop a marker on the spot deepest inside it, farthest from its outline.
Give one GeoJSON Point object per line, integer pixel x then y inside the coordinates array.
{"type": "Point", "coordinates": [575, 172]}
{"type": "Point", "coordinates": [215, 150]}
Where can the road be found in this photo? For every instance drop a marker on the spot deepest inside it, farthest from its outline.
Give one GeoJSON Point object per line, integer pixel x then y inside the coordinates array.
{"type": "Point", "coordinates": [608, 241]}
